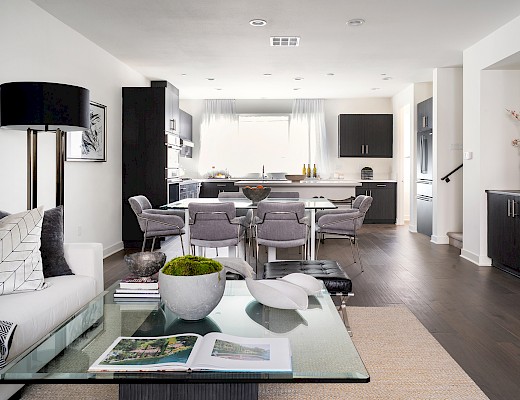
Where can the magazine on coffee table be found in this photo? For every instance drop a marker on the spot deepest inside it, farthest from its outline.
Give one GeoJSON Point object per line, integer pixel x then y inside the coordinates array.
{"type": "Point", "coordinates": [192, 352]}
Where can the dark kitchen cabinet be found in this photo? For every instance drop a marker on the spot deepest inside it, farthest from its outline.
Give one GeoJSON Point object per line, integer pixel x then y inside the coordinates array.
{"type": "Point", "coordinates": [425, 116]}
{"type": "Point", "coordinates": [366, 135]}
{"type": "Point", "coordinates": [504, 229]}
{"type": "Point", "coordinates": [384, 204]}
{"type": "Point", "coordinates": [149, 113]}
{"type": "Point", "coordinates": [212, 189]}
{"type": "Point", "coordinates": [186, 133]}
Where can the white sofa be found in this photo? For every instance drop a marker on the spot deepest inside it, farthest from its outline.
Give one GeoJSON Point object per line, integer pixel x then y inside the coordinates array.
{"type": "Point", "coordinates": [38, 313]}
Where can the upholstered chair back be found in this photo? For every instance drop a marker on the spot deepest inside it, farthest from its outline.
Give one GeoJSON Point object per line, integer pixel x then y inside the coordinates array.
{"type": "Point", "coordinates": [139, 204]}
{"type": "Point", "coordinates": [211, 221]}
{"type": "Point", "coordinates": [281, 221]}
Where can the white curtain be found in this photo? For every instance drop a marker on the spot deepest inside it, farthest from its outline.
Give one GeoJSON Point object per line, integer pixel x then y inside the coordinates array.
{"type": "Point", "coordinates": [217, 131]}
{"type": "Point", "coordinates": [308, 135]}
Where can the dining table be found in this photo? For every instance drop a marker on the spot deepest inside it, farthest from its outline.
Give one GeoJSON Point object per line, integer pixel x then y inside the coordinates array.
{"type": "Point", "coordinates": [311, 206]}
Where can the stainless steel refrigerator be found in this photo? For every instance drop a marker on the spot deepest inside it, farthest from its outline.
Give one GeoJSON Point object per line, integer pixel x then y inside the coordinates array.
{"type": "Point", "coordinates": [424, 182]}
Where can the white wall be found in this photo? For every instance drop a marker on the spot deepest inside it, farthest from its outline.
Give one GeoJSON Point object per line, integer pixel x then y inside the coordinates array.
{"type": "Point", "coordinates": [349, 167]}
{"type": "Point", "coordinates": [447, 153]}
{"type": "Point", "coordinates": [51, 51]}
{"type": "Point", "coordinates": [489, 167]}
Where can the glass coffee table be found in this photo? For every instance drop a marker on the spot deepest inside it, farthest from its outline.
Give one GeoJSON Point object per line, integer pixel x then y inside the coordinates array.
{"type": "Point", "coordinates": [322, 350]}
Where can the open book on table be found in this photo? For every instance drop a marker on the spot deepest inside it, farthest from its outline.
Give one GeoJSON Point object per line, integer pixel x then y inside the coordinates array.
{"type": "Point", "coordinates": [192, 352]}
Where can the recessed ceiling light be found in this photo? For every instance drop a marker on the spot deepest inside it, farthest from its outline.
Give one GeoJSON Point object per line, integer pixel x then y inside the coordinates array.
{"type": "Point", "coordinates": [387, 78]}
{"type": "Point", "coordinates": [330, 74]}
{"type": "Point", "coordinates": [296, 88]}
{"type": "Point", "coordinates": [210, 79]}
{"type": "Point", "coordinates": [184, 74]}
{"type": "Point", "coordinates": [356, 22]}
{"type": "Point", "coordinates": [268, 74]}
{"type": "Point", "coordinates": [298, 78]}
{"type": "Point", "coordinates": [258, 22]}
{"type": "Point", "coordinates": [383, 74]}
{"type": "Point", "coordinates": [218, 88]}
{"type": "Point", "coordinates": [375, 88]}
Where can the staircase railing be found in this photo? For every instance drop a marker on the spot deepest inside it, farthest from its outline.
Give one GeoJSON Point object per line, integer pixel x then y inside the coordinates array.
{"type": "Point", "coordinates": [447, 177]}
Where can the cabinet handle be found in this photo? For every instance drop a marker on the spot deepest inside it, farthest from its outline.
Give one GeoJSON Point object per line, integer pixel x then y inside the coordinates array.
{"type": "Point", "coordinates": [508, 207]}
{"type": "Point", "coordinates": [424, 121]}
{"type": "Point", "coordinates": [172, 124]}
{"type": "Point", "coordinates": [381, 185]}
{"type": "Point", "coordinates": [221, 185]}
{"type": "Point", "coordinates": [370, 193]}
{"type": "Point", "coordinates": [366, 148]}
{"type": "Point", "coordinates": [513, 204]}
{"type": "Point", "coordinates": [362, 149]}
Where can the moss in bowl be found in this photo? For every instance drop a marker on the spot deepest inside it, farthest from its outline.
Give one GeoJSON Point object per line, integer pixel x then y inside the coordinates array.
{"type": "Point", "coordinates": [192, 286]}
{"type": "Point", "coordinates": [191, 265]}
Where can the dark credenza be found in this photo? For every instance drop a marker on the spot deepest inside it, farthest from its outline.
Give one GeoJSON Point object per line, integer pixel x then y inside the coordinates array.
{"type": "Point", "coordinates": [149, 113]}
{"type": "Point", "coordinates": [504, 229]}
{"type": "Point", "coordinates": [212, 189]}
{"type": "Point", "coordinates": [384, 204]}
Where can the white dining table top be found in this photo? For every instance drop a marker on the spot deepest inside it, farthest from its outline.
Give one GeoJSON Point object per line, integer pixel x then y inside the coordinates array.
{"type": "Point", "coordinates": [310, 204]}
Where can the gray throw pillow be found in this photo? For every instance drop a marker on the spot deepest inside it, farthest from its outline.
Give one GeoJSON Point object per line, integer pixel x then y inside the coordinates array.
{"type": "Point", "coordinates": [3, 214]}
{"type": "Point", "coordinates": [53, 255]}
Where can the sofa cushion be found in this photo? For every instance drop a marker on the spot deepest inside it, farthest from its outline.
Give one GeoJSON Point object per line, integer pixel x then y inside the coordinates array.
{"type": "Point", "coordinates": [6, 334]}
{"type": "Point", "coordinates": [46, 309]}
{"type": "Point", "coordinates": [53, 257]}
{"type": "Point", "coordinates": [20, 259]}
{"type": "Point", "coordinates": [3, 214]}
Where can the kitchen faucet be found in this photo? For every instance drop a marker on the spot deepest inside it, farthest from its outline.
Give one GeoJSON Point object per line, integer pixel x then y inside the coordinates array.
{"type": "Point", "coordinates": [263, 172]}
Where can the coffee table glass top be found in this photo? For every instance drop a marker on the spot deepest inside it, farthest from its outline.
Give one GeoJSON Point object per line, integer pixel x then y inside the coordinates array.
{"type": "Point", "coordinates": [322, 350]}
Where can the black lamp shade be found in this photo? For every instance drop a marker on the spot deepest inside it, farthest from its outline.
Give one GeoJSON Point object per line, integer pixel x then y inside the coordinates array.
{"type": "Point", "coordinates": [44, 106]}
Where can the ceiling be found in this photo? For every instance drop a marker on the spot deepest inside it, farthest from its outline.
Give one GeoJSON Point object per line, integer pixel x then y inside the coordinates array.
{"type": "Point", "coordinates": [188, 41]}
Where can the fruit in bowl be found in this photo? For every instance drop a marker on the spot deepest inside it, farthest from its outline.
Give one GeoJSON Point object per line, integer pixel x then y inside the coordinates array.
{"type": "Point", "coordinates": [256, 194]}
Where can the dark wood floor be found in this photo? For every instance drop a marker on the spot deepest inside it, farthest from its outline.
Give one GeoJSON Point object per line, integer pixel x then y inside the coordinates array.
{"type": "Point", "coordinates": [474, 312]}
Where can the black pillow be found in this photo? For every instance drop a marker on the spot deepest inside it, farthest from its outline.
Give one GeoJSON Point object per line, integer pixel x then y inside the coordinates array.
{"type": "Point", "coordinates": [3, 214]}
{"type": "Point", "coordinates": [53, 255]}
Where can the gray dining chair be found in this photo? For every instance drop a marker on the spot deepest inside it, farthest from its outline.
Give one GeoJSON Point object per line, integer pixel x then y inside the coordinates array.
{"type": "Point", "coordinates": [281, 225]}
{"type": "Point", "coordinates": [156, 223]}
{"type": "Point", "coordinates": [347, 224]}
{"type": "Point", "coordinates": [355, 207]}
{"type": "Point", "coordinates": [216, 225]}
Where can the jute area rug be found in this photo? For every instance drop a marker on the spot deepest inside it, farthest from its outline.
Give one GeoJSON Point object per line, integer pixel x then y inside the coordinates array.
{"type": "Point", "coordinates": [403, 359]}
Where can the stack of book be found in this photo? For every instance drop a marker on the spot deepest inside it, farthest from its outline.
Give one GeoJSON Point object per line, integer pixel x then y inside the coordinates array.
{"type": "Point", "coordinates": [138, 288]}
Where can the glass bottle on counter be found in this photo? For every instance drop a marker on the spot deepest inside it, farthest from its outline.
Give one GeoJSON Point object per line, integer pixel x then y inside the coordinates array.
{"type": "Point", "coordinates": [314, 172]}
{"type": "Point", "coordinates": [308, 171]}
{"type": "Point", "coordinates": [304, 170]}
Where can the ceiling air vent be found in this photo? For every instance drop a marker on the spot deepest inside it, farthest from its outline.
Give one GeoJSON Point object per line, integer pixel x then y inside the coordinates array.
{"type": "Point", "coordinates": [285, 41]}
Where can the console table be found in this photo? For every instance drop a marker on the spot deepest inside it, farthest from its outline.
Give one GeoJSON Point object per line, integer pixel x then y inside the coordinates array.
{"type": "Point", "coordinates": [322, 350]}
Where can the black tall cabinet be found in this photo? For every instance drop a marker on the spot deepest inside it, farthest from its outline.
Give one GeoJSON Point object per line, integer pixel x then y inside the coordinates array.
{"type": "Point", "coordinates": [504, 229]}
{"type": "Point", "coordinates": [149, 113]}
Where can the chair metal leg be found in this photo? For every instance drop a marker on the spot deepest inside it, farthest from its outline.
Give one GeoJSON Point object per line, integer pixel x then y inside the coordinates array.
{"type": "Point", "coordinates": [144, 242]}
{"type": "Point", "coordinates": [182, 246]}
{"type": "Point", "coordinates": [359, 257]}
{"type": "Point", "coordinates": [352, 249]}
{"type": "Point", "coordinates": [153, 243]}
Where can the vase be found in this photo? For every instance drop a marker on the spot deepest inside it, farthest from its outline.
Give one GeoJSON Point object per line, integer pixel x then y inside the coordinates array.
{"type": "Point", "coordinates": [192, 297]}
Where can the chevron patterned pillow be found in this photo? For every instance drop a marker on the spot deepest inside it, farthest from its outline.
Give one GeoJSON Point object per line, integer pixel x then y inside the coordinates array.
{"type": "Point", "coordinates": [20, 259]}
{"type": "Point", "coordinates": [6, 334]}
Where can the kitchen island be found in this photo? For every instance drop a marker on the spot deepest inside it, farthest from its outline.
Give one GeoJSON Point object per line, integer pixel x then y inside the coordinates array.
{"type": "Point", "coordinates": [336, 189]}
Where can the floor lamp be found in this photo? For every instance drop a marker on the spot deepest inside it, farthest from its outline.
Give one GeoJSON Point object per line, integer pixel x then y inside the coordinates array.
{"type": "Point", "coordinates": [44, 106]}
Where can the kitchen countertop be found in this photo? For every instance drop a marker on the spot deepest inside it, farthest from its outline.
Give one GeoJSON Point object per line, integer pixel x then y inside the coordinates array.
{"type": "Point", "coordinates": [307, 182]}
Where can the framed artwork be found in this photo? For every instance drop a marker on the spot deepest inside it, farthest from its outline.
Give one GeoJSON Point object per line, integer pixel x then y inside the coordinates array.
{"type": "Point", "coordinates": [89, 145]}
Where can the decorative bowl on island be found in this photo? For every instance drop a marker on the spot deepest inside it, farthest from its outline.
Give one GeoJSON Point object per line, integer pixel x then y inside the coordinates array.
{"type": "Point", "coordinates": [256, 194]}
{"type": "Point", "coordinates": [295, 178]}
{"type": "Point", "coordinates": [145, 263]}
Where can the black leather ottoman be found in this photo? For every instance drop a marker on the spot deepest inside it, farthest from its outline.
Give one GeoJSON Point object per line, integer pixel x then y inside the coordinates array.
{"type": "Point", "coordinates": [334, 278]}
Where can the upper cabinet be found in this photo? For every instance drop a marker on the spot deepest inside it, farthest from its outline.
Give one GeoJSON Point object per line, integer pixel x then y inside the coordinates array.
{"type": "Point", "coordinates": [170, 96]}
{"type": "Point", "coordinates": [186, 134]}
{"type": "Point", "coordinates": [425, 116]}
{"type": "Point", "coordinates": [366, 135]}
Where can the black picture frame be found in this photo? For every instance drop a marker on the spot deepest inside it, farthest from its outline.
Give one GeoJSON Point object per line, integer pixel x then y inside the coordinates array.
{"type": "Point", "coordinates": [89, 145]}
